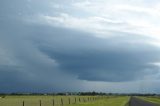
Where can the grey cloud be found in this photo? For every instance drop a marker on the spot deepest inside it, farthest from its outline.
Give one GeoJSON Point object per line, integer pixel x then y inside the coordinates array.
{"type": "Point", "coordinates": [31, 71]}
{"type": "Point", "coordinates": [94, 59]}
{"type": "Point", "coordinates": [19, 9]}
{"type": "Point", "coordinates": [88, 57]}
{"type": "Point", "coordinates": [46, 58]}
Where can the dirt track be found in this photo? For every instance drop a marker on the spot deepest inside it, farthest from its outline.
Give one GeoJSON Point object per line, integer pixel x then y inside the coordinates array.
{"type": "Point", "coordinates": [138, 102]}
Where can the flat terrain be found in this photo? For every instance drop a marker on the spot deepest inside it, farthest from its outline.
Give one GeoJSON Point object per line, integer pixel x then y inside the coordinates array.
{"type": "Point", "coordinates": [67, 101]}
{"type": "Point", "coordinates": [140, 102]}
{"type": "Point", "coordinates": [152, 99]}
{"type": "Point", "coordinates": [115, 101]}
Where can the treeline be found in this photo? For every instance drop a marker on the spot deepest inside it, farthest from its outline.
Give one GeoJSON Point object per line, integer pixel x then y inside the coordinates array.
{"type": "Point", "coordinates": [59, 93]}
{"type": "Point", "coordinates": [147, 94]}
{"type": "Point", "coordinates": [81, 94]}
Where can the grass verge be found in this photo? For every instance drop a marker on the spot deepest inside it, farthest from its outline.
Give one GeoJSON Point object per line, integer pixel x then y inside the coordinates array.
{"type": "Point", "coordinates": [155, 100]}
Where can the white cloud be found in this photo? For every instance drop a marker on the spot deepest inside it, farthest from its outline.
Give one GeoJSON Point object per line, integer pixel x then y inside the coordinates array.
{"type": "Point", "coordinates": [156, 64]}
{"type": "Point", "coordinates": [138, 17]}
{"type": "Point", "coordinates": [95, 24]}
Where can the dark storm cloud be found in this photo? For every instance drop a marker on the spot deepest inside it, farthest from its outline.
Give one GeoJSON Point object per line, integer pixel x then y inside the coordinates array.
{"type": "Point", "coordinates": [94, 59]}
{"type": "Point", "coordinates": [23, 68]}
{"type": "Point", "coordinates": [77, 53]}
{"type": "Point", "coordinates": [37, 57]}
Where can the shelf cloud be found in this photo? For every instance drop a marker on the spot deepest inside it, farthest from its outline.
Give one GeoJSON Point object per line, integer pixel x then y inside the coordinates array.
{"type": "Point", "coordinates": [50, 46]}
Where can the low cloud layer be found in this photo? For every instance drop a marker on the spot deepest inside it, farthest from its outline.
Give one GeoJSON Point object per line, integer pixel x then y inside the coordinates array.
{"type": "Point", "coordinates": [96, 60]}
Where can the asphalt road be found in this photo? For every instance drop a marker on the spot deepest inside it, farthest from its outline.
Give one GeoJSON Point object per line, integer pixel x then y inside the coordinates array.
{"type": "Point", "coordinates": [139, 102]}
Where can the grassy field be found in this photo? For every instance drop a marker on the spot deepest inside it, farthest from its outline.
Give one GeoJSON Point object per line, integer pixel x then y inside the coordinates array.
{"type": "Point", "coordinates": [115, 101]}
{"type": "Point", "coordinates": [152, 99]}
{"type": "Point", "coordinates": [63, 101]}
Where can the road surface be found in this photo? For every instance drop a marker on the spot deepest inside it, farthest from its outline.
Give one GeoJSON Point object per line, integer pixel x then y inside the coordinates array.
{"type": "Point", "coordinates": [139, 102]}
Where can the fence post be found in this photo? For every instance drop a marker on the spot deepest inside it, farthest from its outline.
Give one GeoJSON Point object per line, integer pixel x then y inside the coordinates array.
{"type": "Point", "coordinates": [61, 101]}
{"type": "Point", "coordinates": [23, 103]}
{"type": "Point", "coordinates": [53, 102]}
{"type": "Point", "coordinates": [79, 99]}
{"type": "Point", "coordinates": [40, 103]}
{"type": "Point", "coordinates": [75, 100]}
{"type": "Point", "coordinates": [69, 100]}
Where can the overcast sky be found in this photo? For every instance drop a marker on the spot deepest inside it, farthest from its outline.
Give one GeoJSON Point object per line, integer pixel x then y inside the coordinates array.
{"type": "Point", "coordinates": [80, 45]}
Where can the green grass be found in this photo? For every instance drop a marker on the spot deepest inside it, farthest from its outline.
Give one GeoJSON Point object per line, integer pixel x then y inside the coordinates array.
{"type": "Point", "coordinates": [35, 100]}
{"type": "Point", "coordinates": [48, 101]}
{"type": "Point", "coordinates": [152, 99]}
{"type": "Point", "coordinates": [115, 101]}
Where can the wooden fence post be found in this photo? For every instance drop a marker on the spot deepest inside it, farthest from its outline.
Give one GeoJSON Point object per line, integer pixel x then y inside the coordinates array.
{"type": "Point", "coordinates": [40, 103]}
{"type": "Point", "coordinates": [23, 103]}
{"type": "Point", "coordinates": [69, 100]}
{"type": "Point", "coordinates": [61, 101]}
{"type": "Point", "coordinates": [53, 102]}
{"type": "Point", "coordinates": [75, 100]}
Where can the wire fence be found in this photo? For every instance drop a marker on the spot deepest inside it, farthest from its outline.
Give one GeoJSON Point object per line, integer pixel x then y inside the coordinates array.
{"type": "Point", "coordinates": [59, 101]}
